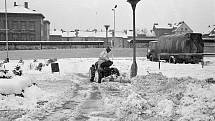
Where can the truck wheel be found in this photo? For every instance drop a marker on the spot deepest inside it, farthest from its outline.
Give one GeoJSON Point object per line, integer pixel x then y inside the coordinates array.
{"type": "Point", "coordinates": [186, 61]}
{"type": "Point", "coordinates": [151, 58]}
{"type": "Point", "coordinates": [179, 61]}
{"type": "Point", "coordinates": [172, 60]}
{"type": "Point", "coordinates": [98, 77]}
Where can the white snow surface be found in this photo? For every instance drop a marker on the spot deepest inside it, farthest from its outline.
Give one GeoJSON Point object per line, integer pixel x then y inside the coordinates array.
{"type": "Point", "coordinates": [174, 90]}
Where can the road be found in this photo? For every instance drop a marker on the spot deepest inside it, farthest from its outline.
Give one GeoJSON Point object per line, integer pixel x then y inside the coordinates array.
{"type": "Point", "coordinates": [69, 53]}
{"type": "Point", "coordinates": [76, 53]}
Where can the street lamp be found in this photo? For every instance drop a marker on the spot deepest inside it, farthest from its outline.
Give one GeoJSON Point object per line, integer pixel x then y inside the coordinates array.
{"type": "Point", "coordinates": [106, 27]}
{"type": "Point", "coordinates": [134, 64]}
{"type": "Point", "coordinates": [6, 30]}
{"type": "Point", "coordinates": [114, 24]}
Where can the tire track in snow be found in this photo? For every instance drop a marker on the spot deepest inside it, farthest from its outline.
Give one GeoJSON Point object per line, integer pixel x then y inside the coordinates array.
{"type": "Point", "coordinates": [92, 108]}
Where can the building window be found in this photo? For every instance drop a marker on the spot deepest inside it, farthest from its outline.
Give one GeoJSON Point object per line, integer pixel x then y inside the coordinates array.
{"type": "Point", "coordinates": [4, 24]}
{"type": "Point", "coordinates": [23, 37]}
{"type": "Point", "coordinates": [186, 29]}
{"type": "Point", "coordinates": [31, 25]}
{"type": "Point", "coordinates": [10, 25]}
{"type": "Point", "coordinates": [14, 37]}
{"type": "Point", "coordinates": [32, 37]}
{"type": "Point", "coordinates": [23, 25]}
{"type": "Point", "coordinates": [15, 25]}
{"type": "Point", "coordinates": [1, 24]}
{"type": "Point", "coordinates": [2, 37]}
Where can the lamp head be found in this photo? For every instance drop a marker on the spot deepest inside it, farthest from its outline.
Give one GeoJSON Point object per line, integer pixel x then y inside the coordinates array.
{"type": "Point", "coordinates": [133, 2]}
{"type": "Point", "coordinates": [106, 26]}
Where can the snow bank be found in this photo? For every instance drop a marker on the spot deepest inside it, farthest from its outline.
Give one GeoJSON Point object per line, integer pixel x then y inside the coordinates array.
{"type": "Point", "coordinates": [172, 93]}
{"type": "Point", "coordinates": [157, 97]}
{"type": "Point", "coordinates": [14, 85]}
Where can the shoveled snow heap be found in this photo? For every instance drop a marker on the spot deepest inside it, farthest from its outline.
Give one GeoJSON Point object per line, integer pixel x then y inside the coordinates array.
{"type": "Point", "coordinates": [156, 97]}
{"type": "Point", "coordinates": [14, 85]}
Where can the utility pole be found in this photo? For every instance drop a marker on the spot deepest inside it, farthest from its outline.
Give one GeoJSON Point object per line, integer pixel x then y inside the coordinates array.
{"type": "Point", "coordinates": [6, 31]}
{"type": "Point", "coordinates": [114, 24]}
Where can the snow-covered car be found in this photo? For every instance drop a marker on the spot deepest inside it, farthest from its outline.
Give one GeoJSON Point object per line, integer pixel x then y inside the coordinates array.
{"type": "Point", "coordinates": [96, 74]}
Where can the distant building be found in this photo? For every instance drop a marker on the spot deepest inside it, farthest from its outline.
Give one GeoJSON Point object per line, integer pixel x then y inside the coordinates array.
{"type": "Point", "coordinates": [46, 30]}
{"type": "Point", "coordinates": [24, 24]}
{"type": "Point", "coordinates": [55, 35]}
{"type": "Point", "coordinates": [160, 30]}
{"type": "Point", "coordinates": [182, 27]}
{"type": "Point", "coordinates": [179, 28]}
{"type": "Point", "coordinates": [212, 33]}
{"type": "Point", "coordinates": [91, 39]}
{"type": "Point", "coordinates": [209, 37]}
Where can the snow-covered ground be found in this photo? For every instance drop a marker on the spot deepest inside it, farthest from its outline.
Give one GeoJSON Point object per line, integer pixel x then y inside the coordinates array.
{"type": "Point", "coordinates": [176, 91]}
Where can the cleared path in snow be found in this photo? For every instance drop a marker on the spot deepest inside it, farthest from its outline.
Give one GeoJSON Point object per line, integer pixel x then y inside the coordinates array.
{"type": "Point", "coordinates": [82, 103]}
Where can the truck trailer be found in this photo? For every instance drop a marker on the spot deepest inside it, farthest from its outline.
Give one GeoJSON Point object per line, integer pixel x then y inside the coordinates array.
{"type": "Point", "coordinates": [177, 48]}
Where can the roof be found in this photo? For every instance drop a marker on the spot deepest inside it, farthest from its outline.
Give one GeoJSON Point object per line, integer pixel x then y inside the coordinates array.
{"type": "Point", "coordinates": [21, 10]}
{"type": "Point", "coordinates": [101, 34]}
{"type": "Point", "coordinates": [212, 32]}
{"type": "Point", "coordinates": [56, 32]}
{"type": "Point", "coordinates": [53, 41]}
{"type": "Point", "coordinates": [143, 39]}
{"type": "Point", "coordinates": [163, 26]}
{"type": "Point", "coordinates": [181, 24]}
{"type": "Point", "coordinates": [208, 38]}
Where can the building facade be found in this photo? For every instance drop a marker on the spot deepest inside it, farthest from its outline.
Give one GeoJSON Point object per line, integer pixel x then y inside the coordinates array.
{"type": "Point", "coordinates": [178, 28]}
{"type": "Point", "coordinates": [23, 24]}
{"type": "Point", "coordinates": [181, 28]}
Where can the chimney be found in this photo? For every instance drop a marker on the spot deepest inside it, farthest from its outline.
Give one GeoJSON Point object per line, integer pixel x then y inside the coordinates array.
{"type": "Point", "coordinates": [26, 4]}
{"type": "Point", "coordinates": [14, 4]}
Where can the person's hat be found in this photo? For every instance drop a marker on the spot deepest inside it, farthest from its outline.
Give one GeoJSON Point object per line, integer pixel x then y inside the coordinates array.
{"type": "Point", "coordinates": [108, 49]}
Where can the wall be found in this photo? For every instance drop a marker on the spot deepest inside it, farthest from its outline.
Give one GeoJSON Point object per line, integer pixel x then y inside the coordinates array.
{"type": "Point", "coordinates": [22, 27]}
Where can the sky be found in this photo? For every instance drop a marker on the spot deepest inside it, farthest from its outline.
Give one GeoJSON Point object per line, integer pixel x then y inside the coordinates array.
{"type": "Point", "coordinates": [90, 14]}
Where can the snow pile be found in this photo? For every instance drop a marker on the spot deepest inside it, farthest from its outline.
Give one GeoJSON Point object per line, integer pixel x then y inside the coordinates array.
{"type": "Point", "coordinates": [32, 96]}
{"type": "Point", "coordinates": [165, 107]}
{"type": "Point", "coordinates": [198, 102]}
{"type": "Point", "coordinates": [14, 85]}
{"type": "Point", "coordinates": [134, 108]}
{"type": "Point", "coordinates": [156, 97]}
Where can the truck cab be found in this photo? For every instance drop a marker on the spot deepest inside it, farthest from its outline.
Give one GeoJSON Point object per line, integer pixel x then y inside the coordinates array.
{"type": "Point", "coordinates": [152, 51]}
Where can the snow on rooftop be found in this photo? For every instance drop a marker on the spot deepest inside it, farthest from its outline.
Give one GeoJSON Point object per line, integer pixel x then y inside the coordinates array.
{"type": "Point", "coordinates": [88, 34]}
{"type": "Point", "coordinates": [163, 26]}
{"type": "Point", "coordinates": [67, 34]}
{"type": "Point", "coordinates": [103, 34]}
{"type": "Point", "coordinates": [56, 32]}
{"type": "Point", "coordinates": [20, 9]}
{"type": "Point", "coordinates": [121, 34]}
{"type": "Point", "coordinates": [212, 32]}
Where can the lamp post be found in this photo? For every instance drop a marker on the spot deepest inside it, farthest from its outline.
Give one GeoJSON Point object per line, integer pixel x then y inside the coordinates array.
{"type": "Point", "coordinates": [134, 64]}
{"type": "Point", "coordinates": [114, 24]}
{"type": "Point", "coordinates": [6, 31]}
{"type": "Point", "coordinates": [106, 27]}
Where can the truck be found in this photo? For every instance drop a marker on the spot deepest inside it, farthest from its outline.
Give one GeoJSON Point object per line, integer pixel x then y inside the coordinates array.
{"type": "Point", "coordinates": [177, 48]}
